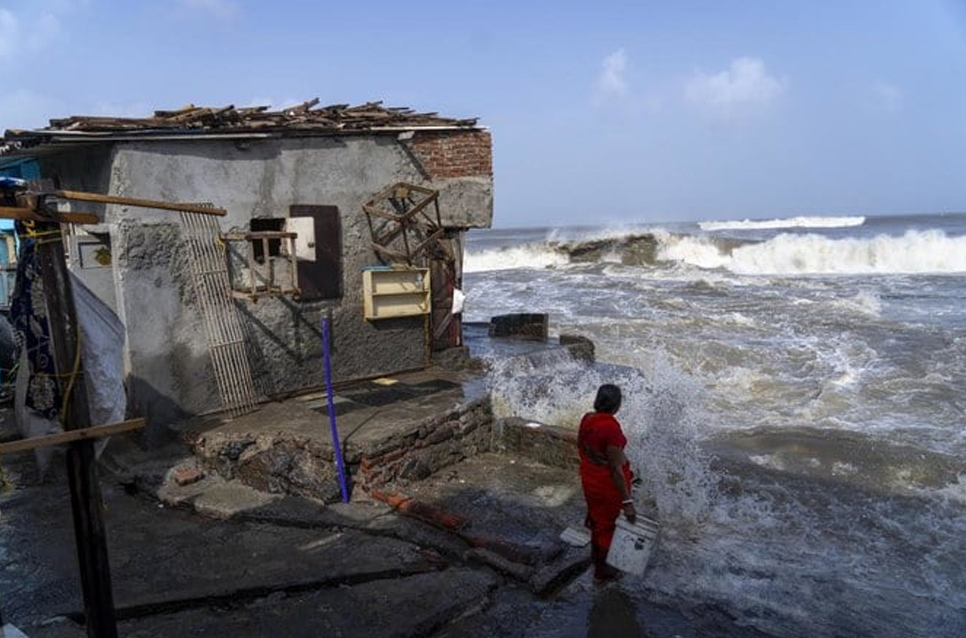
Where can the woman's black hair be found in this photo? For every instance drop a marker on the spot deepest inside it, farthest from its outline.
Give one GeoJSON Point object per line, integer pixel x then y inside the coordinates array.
{"type": "Point", "coordinates": [608, 399]}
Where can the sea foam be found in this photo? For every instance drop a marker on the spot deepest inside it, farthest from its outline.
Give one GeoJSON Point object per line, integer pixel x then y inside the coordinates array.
{"type": "Point", "coordinates": [531, 256]}
{"type": "Point", "coordinates": [915, 252]}
{"type": "Point", "coordinates": [791, 222]}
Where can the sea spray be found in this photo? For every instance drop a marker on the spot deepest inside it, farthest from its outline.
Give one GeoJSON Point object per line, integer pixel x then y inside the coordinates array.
{"type": "Point", "coordinates": [660, 415]}
{"type": "Point", "coordinates": [550, 388]}
{"type": "Point", "coordinates": [661, 418]}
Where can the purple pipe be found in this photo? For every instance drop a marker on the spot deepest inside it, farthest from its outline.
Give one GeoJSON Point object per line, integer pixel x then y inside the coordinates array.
{"type": "Point", "coordinates": [335, 430]}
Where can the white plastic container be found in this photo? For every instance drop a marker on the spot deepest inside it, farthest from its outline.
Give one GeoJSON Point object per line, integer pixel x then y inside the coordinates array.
{"type": "Point", "coordinates": [632, 545]}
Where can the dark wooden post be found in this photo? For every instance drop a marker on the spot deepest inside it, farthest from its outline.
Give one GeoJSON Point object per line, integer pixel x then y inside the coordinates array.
{"type": "Point", "coordinates": [85, 489]}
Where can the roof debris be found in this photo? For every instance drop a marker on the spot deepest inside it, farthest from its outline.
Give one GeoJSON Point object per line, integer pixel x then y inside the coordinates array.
{"type": "Point", "coordinates": [307, 117]}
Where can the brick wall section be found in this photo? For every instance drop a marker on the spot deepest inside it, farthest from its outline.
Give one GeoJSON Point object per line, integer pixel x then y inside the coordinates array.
{"type": "Point", "coordinates": [454, 153]}
{"type": "Point", "coordinates": [437, 443]}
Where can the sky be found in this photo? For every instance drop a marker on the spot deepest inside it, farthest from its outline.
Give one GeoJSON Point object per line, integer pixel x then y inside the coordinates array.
{"type": "Point", "coordinates": [601, 112]}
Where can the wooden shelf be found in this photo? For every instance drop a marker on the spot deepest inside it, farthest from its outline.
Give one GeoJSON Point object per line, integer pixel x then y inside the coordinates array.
{"type": "Point", "coordinates": [396, 293]}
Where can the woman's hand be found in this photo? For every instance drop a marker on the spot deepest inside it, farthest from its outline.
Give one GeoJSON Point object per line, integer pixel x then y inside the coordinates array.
{"type": "Point", "coordinates": [630, 513]}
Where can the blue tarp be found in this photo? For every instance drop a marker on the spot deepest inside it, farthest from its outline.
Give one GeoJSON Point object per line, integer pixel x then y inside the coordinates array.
{"type": "Point", "coordinates": [24, 168]}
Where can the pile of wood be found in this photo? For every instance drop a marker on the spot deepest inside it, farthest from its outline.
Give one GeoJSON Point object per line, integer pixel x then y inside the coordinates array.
{"type": "Point", "coordinates": [307, 116]}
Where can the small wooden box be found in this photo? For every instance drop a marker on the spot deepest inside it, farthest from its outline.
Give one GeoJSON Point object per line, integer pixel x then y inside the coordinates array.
{"type": "Point", "coordinates": [396, 293]}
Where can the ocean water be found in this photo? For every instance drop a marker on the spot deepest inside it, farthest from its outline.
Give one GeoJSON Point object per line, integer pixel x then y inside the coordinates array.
{"type": "Point", "coordinates": [795, 398]}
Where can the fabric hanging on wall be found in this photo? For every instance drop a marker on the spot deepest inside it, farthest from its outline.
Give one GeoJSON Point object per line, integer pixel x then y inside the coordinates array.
{"type": "Point", "coordinates": [28, 313]}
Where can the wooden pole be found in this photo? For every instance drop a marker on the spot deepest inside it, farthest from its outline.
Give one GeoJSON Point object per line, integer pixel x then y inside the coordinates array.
{"type": "Point", "coordinates": [81, 196]}
{"type": "Point", "coordinates": [12, 212]}
{"type": "Point", "coordinates": [85, 489]}
{"type": "Point", "coordinates": [95, 432]}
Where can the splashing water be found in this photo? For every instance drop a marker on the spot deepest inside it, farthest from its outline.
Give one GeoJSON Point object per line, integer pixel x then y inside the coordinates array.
{"type": "Point", "coordinates": [661, 424]}
{"type": "Point", "coordinates": [660, 414]}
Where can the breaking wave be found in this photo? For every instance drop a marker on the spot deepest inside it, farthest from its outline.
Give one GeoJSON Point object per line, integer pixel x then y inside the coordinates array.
{"type": "Point", "coordinates": [791, 222]}
{"type": "Point", "coordinates": [627, 249]}
{"type": "Point", "coordinates": [530, 256]}
{"type": "Point", "coordinates": [915, 252]}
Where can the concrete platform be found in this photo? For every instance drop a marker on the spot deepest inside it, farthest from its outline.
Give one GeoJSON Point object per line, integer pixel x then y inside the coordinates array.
{"type": "Point", "coordinates": [286, 446]}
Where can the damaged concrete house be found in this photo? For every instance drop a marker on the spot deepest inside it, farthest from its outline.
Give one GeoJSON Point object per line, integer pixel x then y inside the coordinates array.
{"type": "Point", "coordinates": [353, 216]}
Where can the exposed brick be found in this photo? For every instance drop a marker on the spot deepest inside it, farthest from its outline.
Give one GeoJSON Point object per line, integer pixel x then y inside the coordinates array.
{"type": "Point", "coordinates": [454, 153]}
{"type": "Point", "coordinates": [187, 474]}
{"type": "Point", "coordinates": [442, 433]}
{"type": "Point", "coordinates": [389, 457]}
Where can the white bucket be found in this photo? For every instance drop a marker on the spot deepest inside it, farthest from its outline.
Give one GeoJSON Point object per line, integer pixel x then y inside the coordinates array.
{"type": "Point", "coordinates": [633, 544]}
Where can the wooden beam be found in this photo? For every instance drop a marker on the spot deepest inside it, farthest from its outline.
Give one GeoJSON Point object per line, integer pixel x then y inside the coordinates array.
{"type": "Point", "coordinates": [94, 432]}
{"type": "Point", "coordinates": [259, 234]}
{"type": "Point", "coordinates": [77, 218]}
{"type": "Point", "coordinates": [27, 214]}
{"type": "Point", "coordinates": [143, 203]}
{"type": "Point", "coordinates": [85, 488]}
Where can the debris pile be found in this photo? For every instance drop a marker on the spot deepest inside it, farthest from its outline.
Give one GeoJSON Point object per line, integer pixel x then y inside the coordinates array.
{"type": "Point", "coordinates": [307, 116]}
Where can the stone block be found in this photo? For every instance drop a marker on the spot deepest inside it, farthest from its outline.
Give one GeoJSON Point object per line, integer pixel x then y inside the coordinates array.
{"type": "Point", "coordinates": [520, 325]}
{"type": "Point", "coordinates": [581, 348]}
{"type": "Point", "coordinates": [187, 474]}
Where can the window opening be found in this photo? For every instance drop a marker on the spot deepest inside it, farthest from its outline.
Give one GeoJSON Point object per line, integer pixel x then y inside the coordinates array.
{"type": "Point", "coordinates": [262, 262]}
{"type": "Point", "coordinates": [273, 246]}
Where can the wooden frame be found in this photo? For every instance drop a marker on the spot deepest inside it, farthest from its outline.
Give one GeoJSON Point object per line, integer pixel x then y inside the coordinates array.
{"type": "Point", "coordinates": [264, 237]}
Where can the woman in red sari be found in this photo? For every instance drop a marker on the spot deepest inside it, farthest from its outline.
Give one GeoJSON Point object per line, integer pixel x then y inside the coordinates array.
{"type": "Point", "coordinates": [605, 475]}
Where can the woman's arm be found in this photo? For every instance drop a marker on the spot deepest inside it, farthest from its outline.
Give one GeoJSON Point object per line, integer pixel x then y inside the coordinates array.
{"type": "Point", "coordinates": [616, 461]}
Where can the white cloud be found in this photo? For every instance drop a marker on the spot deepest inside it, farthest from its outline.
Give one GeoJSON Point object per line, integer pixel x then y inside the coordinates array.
{"type": "Point", "coordinates": [890, 95]}
{"type": "Point", "coordinates": [612, 81]}
{"type": "Point", "coordinates": [221, 9]}
{"type": "Point", "coordinates": [745, 84]}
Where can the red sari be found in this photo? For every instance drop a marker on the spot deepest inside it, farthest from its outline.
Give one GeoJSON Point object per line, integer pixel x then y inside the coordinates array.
{"type": "Point", "coordinates": [598, 431]}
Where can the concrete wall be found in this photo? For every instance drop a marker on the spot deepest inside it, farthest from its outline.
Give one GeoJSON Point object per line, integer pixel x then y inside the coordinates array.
{"type": "Point", "coordinates": [167, 351]}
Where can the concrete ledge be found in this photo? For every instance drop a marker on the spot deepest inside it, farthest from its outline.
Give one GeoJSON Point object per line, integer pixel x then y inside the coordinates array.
{"type": "Point", "coordinates": [581, 348]}
{"type": "Point", "coordinates": [520, 325]}
{"type": "Point", "coordinates": [547, 444]}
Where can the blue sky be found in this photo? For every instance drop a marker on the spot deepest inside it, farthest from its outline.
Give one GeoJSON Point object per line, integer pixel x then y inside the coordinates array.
{"type": "Point", "coordinates": [600, 111]}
